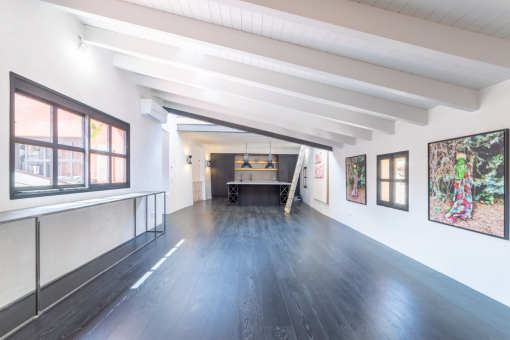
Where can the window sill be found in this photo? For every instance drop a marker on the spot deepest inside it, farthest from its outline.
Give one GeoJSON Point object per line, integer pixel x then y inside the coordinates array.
{"type": "Point", "coordinates": [65, 191]}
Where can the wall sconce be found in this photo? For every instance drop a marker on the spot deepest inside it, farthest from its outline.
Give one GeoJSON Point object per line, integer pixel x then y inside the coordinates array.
{"type": "Point", "coordinates": [82, 47]}
{"type": "Point", "coordinates": [208, 164]}
{"type": "Point", "coordinates": [188, 159]}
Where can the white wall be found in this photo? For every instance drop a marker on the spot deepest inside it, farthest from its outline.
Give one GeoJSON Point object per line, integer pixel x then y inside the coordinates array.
{"type": "Point", "coordinates": [481, 262]}
{"type": "Point", "coordinates": [41, 44]}
{"type": "Point", "coordinates": [17, 274]}
{"type": "Point", "coordinates": [207, 155]}
{"type": "Point", "coordinates": [181, 174]}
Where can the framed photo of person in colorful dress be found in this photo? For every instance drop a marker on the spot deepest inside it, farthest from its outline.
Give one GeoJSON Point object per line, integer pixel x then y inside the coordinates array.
{"type": "Point", "coordinates": [467, 183]}
{"type": "Point", "coordinates": [355, 179]}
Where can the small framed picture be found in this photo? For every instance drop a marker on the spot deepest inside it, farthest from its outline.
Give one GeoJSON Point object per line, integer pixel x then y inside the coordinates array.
{"type": "Point", "coordinates": [355, 179]}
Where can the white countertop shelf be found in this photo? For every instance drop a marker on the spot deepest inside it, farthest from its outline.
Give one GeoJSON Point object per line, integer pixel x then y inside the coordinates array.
{"type": "Point", "coordinates": [258, 183]}
{"type": "Point", "coordinates": [16, 215]}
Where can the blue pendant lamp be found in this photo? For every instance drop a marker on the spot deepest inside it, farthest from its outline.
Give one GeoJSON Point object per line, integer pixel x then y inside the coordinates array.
{"type": "Point", "coordinates": [246, 164]}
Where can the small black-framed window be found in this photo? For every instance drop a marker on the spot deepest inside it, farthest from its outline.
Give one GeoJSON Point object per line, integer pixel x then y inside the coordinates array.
{"type": "Point", "coordinates": [305, 176]}
{"type": "Point", "coordinates": [53, 145]}
{"type": "Point", "coordinates": [393, 180]}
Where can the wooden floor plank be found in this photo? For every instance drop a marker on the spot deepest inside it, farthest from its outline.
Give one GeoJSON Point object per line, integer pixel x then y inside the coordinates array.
{"type": "Point", "coordinates": [423, 306]}
{"type": "Point", "coordinates": [256, 273]}
{"type": "Point", "coordinates": [277, 323]}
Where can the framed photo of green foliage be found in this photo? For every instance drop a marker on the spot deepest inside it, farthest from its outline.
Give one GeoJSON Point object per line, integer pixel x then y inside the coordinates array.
{"type": "Point", "coordinates": [467, 183]}
{"type": "Point", "coordinates": [355, 179]}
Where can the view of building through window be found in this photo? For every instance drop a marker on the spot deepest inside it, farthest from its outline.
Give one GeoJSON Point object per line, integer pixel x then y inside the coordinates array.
{"type": "Point", "coordinates": [70, 128]}
{"type": "Point", "coordinates": [70, 167]}
{"type": "Point", "coordinates": [50, 146]}
{"type": "Point", "coordinates": [32, 119]}
{"type": "Point", "coordinates": [33, 165]}
{"type": "Point", "coordinates": [99, 135]}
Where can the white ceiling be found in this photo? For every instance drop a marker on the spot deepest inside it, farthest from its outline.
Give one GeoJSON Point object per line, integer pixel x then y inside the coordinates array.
{"type": "Point", "coordinates": [311, 69]}
{"type": "Point", "coordinates": [489, 17]}
{"type": "Point", "coordinates": [286, 31]}
{"type": "Point", "coordinates": [243, 58]}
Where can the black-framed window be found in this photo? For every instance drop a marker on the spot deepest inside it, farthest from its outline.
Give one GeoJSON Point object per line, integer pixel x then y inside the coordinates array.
{"type": "Point", "coordinates": [61, 146]}
{"type": "Point", "coordinates": [393, 180]}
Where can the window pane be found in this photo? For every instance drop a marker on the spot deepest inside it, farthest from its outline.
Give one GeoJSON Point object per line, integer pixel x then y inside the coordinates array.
{"type": "Point", "coordinates": [119, 170]}
{"type": "Point", "coordinates": [70, 128]}
{"type": "Point", "coordinates": [70, 167]}
{"type": "Point", "coordinates": [99, 169]}
{"type": "Point", "coordinates": [33, 165]}
{"type": "Point", "coordinates": [400, 168]}
{"type": "Point", "coordinates": [32, 118]}
{"type": "Point", "coordinates": [385, 168]}
{"type": "Point", "coordinates": [98, 135]}
{"type": "Point", "coordinates": [400, 193]}
{"type": "Point", "coordinates": [385, 191]}
{"type": "Point", "coordinates": [118, 141]}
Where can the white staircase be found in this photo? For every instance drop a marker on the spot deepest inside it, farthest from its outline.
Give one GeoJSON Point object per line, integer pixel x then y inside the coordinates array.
{"type": "Point", "coordinates": [295, 179]}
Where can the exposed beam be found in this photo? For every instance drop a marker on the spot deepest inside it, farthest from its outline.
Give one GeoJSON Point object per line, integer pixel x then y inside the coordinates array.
{"type": "Point", "coordinates": [281, 103]}
{"type": "Point", "coordinates": [389, 28]}
{"type": "Point", "coordinates": [255, 127]}
{"type": "Point", "coordinates": [176, 99]}
{"type": "Point", "coordinates": [259, 111]}
{"type": "Point", "coordinates": [226, 136]}
{"type": "Point", "coordinates": [206, 128]}
{"type": "Point", "coordinates": [306, 59]}
{"type": "Point", "coordinates": [312, 90]}
{"type": "Point", "coordinates": [290, 126]}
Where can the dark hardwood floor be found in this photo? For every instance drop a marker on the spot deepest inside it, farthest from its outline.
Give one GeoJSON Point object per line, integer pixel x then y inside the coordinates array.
{"type": "Point", "coordinates": [256, 273]}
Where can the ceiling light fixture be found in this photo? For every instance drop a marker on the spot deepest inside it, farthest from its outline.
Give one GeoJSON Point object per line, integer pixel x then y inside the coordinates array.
{"type": "Point", "coordinates": [246, 164]}
{"type": "Point", "coordinates": [270, 164]}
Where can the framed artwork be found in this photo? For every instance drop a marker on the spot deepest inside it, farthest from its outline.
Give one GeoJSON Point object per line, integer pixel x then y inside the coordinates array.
{"type": "Point", "coordinates": [355, 179]}
{"type": "Point", "coordinates": [321, 176]}
{"type": "Point", "coordinates": [467, 183]}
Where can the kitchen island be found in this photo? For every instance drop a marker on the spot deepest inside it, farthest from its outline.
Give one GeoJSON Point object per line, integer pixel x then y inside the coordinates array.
{"type": "Point", "coordinates": [258, 193]}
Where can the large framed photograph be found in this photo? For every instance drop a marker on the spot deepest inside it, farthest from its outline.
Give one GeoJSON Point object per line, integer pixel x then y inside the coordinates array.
{"type": "Point", "coordinates": [467, 183]}
{"type": "Point", "coordinates": [355, 179]}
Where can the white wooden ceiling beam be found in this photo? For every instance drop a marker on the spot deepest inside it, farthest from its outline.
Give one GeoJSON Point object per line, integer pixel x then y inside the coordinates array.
{"type": "Point", "coordinates": [315, 91]}
{"type": "Point", "coordinates": [388, 28]}
{"type": "Point", "coordinates": [262, 48]}
{"type": "Point", "coordinates": [294, 126]}
{"type": "Point", "coordinates": [207, 129]}
{"type": "Point", "coordinates": [262, 111]}
{"type": "Point", "coordinates": [281, 104]}
{"type": "Point", "coordinates": [220, 108]}
{"type": "Point", "coordinates": [288, 131]}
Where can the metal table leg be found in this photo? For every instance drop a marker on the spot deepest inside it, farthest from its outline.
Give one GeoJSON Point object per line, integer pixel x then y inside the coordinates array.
{"type": "Point", "coordinates": [164, 213]}
{"type": "Point", "coordinates": [37, 266]}
{"type": "Point", "coordinates": [134, 207]}
{"type": "Point", "coordinates": [155, 219]}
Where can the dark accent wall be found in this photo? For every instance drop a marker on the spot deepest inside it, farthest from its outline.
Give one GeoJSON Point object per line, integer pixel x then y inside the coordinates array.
{"type": "Point", "coordinates": [222, 171]}
{"type": "Point", "coordinates": [286, 168]}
